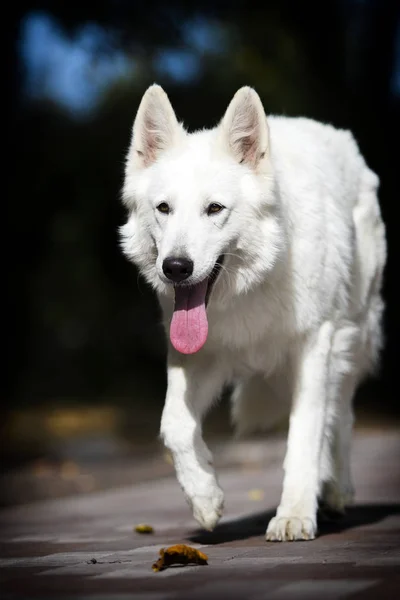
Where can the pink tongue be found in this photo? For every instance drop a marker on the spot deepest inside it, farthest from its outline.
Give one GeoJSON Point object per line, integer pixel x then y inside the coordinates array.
{"type": "Point", "coordinates": [189, 326]}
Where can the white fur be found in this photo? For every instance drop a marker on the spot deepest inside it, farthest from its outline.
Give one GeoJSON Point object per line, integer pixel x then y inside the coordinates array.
{"type": "Point", "coordinates": [295, 315]}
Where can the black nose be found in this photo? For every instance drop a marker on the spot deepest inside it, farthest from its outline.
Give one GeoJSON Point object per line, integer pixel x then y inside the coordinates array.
{"type": "Point", "coordinates": [177, 269]}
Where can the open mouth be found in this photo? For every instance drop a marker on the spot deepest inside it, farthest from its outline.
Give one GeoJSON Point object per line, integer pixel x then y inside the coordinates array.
{"type": "Point", "coordinates": [189, 325]}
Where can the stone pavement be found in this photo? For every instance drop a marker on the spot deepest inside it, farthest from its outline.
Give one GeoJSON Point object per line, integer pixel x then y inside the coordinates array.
{"type": "Point", "coordinates": [85, 547]}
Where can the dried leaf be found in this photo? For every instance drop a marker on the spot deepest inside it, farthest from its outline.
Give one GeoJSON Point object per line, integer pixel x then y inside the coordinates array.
{"type": "Point", "coordinates": [256, 495]}
{"type": "Point", "coordinates": [179, 555]}
{"type": "Point", "coordinates": [143, 528]}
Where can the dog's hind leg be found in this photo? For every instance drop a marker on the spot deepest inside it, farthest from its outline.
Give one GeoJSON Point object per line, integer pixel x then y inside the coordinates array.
{"type": "Point", "coordinates": [336, 488]}
{"type": "Point", "coordinates": [258, 404]}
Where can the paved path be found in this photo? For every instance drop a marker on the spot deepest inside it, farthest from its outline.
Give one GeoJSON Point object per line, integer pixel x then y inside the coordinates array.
{"type": "Point", "coordinates": [85, 547]}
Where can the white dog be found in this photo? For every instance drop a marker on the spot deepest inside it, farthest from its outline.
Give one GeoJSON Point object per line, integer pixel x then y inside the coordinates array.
{"type": "Point", "coordinates": [264, 242]}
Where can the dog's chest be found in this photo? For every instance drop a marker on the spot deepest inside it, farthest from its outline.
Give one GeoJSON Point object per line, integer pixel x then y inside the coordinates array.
{"type": "Point", "coordinates": [252, 341]}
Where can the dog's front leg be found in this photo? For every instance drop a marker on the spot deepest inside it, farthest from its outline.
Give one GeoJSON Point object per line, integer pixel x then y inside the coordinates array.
{"type": "Point", "coordinates": [192, 386]}
{"type": "Point", "coordinates": [296, 517]}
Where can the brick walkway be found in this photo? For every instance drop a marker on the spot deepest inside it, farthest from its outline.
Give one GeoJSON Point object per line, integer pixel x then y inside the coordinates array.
{"type": "Point", "coordinates": [85, 546]}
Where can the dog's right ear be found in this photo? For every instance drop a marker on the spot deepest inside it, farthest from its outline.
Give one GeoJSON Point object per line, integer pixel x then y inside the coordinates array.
{"type": "Point", "coordinates": [155, 129]}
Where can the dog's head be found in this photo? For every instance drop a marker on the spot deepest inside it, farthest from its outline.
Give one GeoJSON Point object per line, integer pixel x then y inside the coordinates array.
{"type": "Point", "coordinates": [202, 210]}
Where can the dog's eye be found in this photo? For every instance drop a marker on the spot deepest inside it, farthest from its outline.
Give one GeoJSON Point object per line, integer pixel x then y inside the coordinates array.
{"type": "Point", "coordinates": [214, 208]}
{"type": "Point", "coordinates": [163, 207]}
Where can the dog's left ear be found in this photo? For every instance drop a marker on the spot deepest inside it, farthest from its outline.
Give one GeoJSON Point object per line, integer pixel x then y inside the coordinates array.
{"type": "Point", "coordinates": [245, 129]}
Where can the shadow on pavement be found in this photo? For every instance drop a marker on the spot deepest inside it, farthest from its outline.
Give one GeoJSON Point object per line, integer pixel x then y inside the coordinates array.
{"type": "Point", "coordinates": [356, 516]}
{"type": "Point", "coordinates": [256, 524]}
{"type": "Point", "coordinates": [238, 529]}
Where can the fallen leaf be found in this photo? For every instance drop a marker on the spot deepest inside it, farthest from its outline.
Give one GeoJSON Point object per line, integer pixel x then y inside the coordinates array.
{"type": "Point", "coordinates": [143, 528]}
{"type": "Point", "coordinates": [179, 555]}
{"type": "Point", "coordinates": [256, 495]}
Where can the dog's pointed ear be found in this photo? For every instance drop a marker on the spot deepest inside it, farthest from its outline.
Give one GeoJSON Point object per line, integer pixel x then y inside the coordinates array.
{"type": "Point", "coordinates": [244, 128]}
{"type": "Point", "coordinates": [155, 129]}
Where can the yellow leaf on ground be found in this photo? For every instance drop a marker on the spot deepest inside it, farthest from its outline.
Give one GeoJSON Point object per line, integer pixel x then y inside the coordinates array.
{"type": "Point", "coordinates": [256, 495]}
{"type": "Point", "coordinates": [143, 528]}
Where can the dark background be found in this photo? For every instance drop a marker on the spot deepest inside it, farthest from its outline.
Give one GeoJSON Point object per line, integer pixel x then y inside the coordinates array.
{"type": "Point", "coordinates": [82, 329]}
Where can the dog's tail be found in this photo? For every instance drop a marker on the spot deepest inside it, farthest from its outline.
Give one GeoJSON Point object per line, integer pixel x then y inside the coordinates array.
{"type": "Point", "coordinates": [371, 253]}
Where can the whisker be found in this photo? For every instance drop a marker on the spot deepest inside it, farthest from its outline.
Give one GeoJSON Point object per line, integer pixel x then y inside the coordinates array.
{"type": "Point", "coordinates": [227, 272]}
{"type": "Point", "coordinates": [233, 254]}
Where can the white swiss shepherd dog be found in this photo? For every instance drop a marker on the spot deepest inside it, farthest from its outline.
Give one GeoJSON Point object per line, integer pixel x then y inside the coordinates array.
{"type": "Point", "coordinates": [264, 241]}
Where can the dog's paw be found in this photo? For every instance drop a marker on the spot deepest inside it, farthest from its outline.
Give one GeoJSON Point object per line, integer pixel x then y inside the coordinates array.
{"type": "Point", "coordinates": [207, 508]}
{"type": "Point", "coordinates": [290, 529]}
